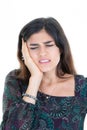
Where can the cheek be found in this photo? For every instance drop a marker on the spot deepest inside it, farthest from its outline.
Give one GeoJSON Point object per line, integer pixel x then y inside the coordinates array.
{"type": "Point", "coordinates": [56, 57]}
{"type": "Point", "coordinates": [56, 53]}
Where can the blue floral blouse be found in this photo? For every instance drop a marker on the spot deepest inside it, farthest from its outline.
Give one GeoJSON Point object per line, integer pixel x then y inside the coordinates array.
{"type": "Point", "coordinates": [49, 112]}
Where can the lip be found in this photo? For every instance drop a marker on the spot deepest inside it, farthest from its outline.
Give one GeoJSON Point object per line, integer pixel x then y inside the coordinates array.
{"type": "Point", "coordinates": [44, 61]}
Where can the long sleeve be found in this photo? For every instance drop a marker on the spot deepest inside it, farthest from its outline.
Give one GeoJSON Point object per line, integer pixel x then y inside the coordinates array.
{"type": "Point", "coordinates": [86, 87]}
{"type": "Point", "coordinates": [17, 114]}
{"type": "Point", "coordinates": [49, 113]}
{"type": "Point", "coordinates": [81, 91]}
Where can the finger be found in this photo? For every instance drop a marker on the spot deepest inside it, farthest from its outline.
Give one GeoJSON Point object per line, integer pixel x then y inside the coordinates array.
{"type": "Point", "coordinates": [23, 46]}
{"type": "Point", "coordinates": [23, 43]}
{"type": "Point", "coordinates": [25, 51]}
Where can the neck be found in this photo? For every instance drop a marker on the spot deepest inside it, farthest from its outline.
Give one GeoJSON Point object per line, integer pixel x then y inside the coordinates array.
{"type": "Point", "coordinates": [48, 82]}
{"type": "Point", "coordinates": [49, 77]}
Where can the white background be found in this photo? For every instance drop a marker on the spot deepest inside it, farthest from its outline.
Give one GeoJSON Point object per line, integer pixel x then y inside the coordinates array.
{"type": "Point", "coordinates": [14, 14]}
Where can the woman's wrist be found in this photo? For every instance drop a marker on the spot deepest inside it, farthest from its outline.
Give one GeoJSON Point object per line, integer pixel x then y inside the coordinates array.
{"type": "Point", "coordinates": [32, 89]}
{"type": "Point", "coordinates": [29, 96]}
{"type": "Point", "coordinates": [29, 100]}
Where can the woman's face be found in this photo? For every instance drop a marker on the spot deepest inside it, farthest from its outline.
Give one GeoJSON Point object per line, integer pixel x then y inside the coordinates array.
{"type": "Point", "coordinates": [43, 51]}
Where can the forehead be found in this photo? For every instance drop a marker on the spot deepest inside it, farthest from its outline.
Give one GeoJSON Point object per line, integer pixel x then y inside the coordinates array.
{"type": "Point", "coordinates": [40, 37]}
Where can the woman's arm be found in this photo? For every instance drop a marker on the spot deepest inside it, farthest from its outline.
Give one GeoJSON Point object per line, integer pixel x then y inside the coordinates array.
{"type": "Point", "coordinates": [17, 114]}
{"type": "Point", "coordinates": [36, 74]}
{"type": "Point", "coordinates": [21, 112]}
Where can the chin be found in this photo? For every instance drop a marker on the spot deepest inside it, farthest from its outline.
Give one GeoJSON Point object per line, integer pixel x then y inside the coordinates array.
{"type": "Point", "coordinates": [45, 70]}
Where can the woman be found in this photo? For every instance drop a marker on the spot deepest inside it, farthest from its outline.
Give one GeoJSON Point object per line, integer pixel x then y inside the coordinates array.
{"type": "Point", "coordinates": [45, 93]}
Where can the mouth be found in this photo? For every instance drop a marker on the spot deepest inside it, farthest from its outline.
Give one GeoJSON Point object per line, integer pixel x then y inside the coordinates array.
{"type": "Point", "coordinates": [44, 61]}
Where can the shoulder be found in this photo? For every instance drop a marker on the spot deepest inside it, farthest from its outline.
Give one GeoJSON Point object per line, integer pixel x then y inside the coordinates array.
{"type": "Point", "coordinates": [13, 83]}
{"type": "Point", "coordinates": [12, 73]}
{"type": "Point", "coordinates": [81, 85]}
{"type": "Point", "coordinates": [80, 79]}
{"type": "Point", "coordinates": [11, 80]}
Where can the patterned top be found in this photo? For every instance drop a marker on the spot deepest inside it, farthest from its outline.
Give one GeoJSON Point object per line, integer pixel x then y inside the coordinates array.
{"type": "Point", "coordinates": [49, 112]}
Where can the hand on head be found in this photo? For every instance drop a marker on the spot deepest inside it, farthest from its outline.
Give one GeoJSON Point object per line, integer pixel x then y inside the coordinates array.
{"type": "Point", "coordinates": [33, 68]}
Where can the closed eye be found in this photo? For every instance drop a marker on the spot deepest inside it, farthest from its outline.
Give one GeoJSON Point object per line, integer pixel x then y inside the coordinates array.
{"type": "Point", "coordinates": [32, 48]}
{"type": "Point", "coordinates": [50, 45]}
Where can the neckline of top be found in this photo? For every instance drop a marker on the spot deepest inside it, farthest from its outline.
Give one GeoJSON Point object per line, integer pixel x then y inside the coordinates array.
{"type": "Point", "coordinates": [48, 96]}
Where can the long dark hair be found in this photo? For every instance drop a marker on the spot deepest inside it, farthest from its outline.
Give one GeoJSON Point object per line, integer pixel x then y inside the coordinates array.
{"type": "Point", "coordinates": [54, 29]}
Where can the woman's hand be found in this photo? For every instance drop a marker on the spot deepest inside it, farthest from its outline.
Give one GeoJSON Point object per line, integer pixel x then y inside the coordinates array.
{"type": "Point", "coordinates": [33, 68]}
{"type": "Point", "coordinates": [36, 74]}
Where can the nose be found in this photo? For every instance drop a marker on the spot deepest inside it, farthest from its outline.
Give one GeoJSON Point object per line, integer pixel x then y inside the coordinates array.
{"type": "Point", "coordinates": [43, 51]}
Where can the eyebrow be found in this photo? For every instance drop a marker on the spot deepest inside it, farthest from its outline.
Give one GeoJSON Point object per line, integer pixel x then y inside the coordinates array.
{"type": "Point", "coordinates": [35, 44]}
